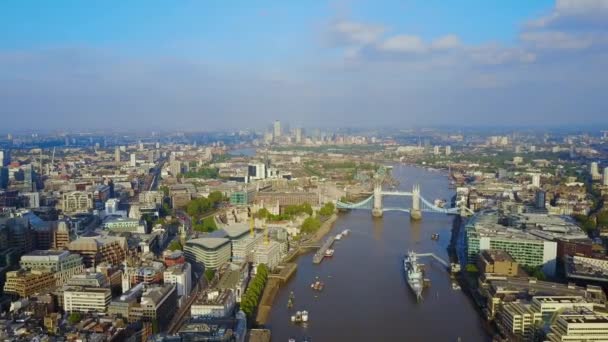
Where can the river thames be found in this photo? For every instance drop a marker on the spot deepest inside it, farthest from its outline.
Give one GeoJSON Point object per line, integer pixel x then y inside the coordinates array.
{"type": "Point", "coordinates": [366, 297]}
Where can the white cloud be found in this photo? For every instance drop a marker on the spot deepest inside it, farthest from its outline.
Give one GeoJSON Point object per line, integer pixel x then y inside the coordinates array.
{"type": "Point", "coordinates": [446, 42]}
{"type": "Point", "coordinates": [497, 55]}
{"type": "Point", "coordinates": [556, 40]}
{"type": "Point", "coordinates": [350, 32]}
{"type": "Point", "coordinates": [403, 43]}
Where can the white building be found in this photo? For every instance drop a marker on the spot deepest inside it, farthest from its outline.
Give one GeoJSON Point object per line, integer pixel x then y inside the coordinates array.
{"type": "Point", "coordinates": [211, 252]}
{"type": "Point", "coordinates": [268, 253]}
{"type": "Point", "coordinates": [580, 324]}
{"type": "Point", "coordinates": [519, 319]}
{"type": "Point", "coordinates": [595, 172]}
{"type": "Point", "coordinates": [181, 276]}
{"type": "Point", "coordinates": [216, 303]}
{"type": "Point", "coordinates": [606, 176]}
{"type": "Point", "coordinates": [112, 206]}
{"type": "Point", "coordinates": [448, 150]}
{"type": "Point", "coordinates": [536, 180]}
{"type": "Point", "coordinates": [548, 305]}
{"type": "Point", "coordinates": [436, 150]}
{"type": "Point", "coordinates": [133, 160]}
{"type": "Point", "coordinates": [244, 248]}
{"type": "Point", "coordinates": [86, 299]}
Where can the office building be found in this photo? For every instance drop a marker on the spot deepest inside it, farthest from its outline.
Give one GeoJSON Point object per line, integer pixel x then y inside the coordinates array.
{"type": "Point", "coordinates": [125, 225]}
{"type": "Point", "coordinates": [24, 283]}
{"type": "Point", "coordinates": [268, 253]}
{"type": "Point", "coordinates": [175, 168]}
{"type": "Point", "coordinates": [594, 170]}
{"type": "Point", "coordinates": [158, 304]}
{"type": "Point", "coordinates": [133, 160]}
{"type": "Point", "coordinates": [298, 135]}
{"type": "Point", "coordinates": [5, 158]}
{"type": "Point", "coordinates": [179, 275]}
{"type": "Point", "coordinates": [112, 206]}
{"type": "Point", "coordinates": [276, 130]}
{"type": "Point", "coordinates": [580, 324]}
{"type": "Point", "coordinates": [77, 201]}
{"type": "Point", "coordinates": [117, 155]}
{"type": "Point", "coordinates": [436, 150]}
{"type": "Point", "coordinates": [214, 303]}
{"type": "Point", "coordinates": [498, 262]}
{"type": "Point", "coordinates": [256, 171]}
{"type": "Point", "coordinates": [448, 150]}
{"type": "Point", "coordinates": [16, 234]}
{"type": "Point", "coordinates": [536, 180]}
{"type": "Point", "coordinates": [211, 252]}
{"type": "Point", "coordinates": [97, 249]}
{"type": "Point", "coordinates": [28, 178]}
{"type": "Point", "coordinates": [86, 299]}
{"type": "Point", "coordinates": [519, 319]}
{"type": "Point", "coordinates": [483, 232]}
{"type": "Point", "coordinates": [3, 177]}
{"type": "Point", "coordinates": [62, 264]}
{"type": "Point", "coordinates": [244, 247]}
{"type": "Point", "coordinates": [61, 238]}
{"type": "Point", "coordinates": [540, 199]}
{"type": "Point", "coordinates": [547, 306]}
{"type": "Point", "coordinates": [605, 176]}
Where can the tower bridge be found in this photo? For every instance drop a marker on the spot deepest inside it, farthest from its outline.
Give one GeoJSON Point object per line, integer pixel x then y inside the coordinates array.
{"type": "Point", "coordinates": [415, 207]}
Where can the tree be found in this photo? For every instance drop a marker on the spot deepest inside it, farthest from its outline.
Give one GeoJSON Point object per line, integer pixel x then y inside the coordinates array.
{"type": "Point", "coordinates": [74, 317]}
{"type": "Point", "coordinates": [262, 213]}
{"type": "Point", "coordinates": [175, 245]}
{"type": "Point", "coordinates": [472, 268]}
{"type": "Point", "coordinates": [165, 190]}
{"type": "Point", "coordinates": [327, 209]}
{"type": "Point", "coordinates": [215, 197]}
{"type": "Point", "coordinates": [209, 274]}
{"type": "Point", "coordinates": [310, 225]}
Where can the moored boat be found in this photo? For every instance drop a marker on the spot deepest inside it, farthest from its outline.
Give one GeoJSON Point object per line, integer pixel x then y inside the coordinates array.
{"type": "Point", "coordinates": [413, 274]}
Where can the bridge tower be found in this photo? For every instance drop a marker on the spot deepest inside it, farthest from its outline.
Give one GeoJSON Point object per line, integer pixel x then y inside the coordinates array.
{"type": "Point", "coordinates": [415, 213]}
{"type": "Point", "coordinates": [377, 208]}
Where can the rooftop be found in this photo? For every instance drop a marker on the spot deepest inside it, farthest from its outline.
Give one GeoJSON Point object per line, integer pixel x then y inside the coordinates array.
{"type": "Point", "coordinates": [236, 230]}
{"type": "Point", "coordinates": [208, 243]}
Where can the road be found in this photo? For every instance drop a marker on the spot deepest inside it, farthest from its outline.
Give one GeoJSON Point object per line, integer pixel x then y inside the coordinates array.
{"type": "Point", "coordinates": [183, 312]}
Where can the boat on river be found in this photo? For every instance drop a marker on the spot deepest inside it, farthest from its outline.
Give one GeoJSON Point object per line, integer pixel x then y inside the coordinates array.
{"type": "Point", "coordinates": [413, 274]}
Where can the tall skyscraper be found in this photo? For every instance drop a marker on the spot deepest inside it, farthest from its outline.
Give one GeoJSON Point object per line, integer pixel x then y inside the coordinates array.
{"type": "Point", "coordinates": [298, 135]}
{"type": "Point", "coordinates": [448, 150]}
{"type": "Point", "coordinates": [595, 172]}
{"type": "Point", "coordinates": [277, 130]}
{"type": "Point", "coordinates": [5, 157]}
{"type": "Point", "coordinates": [536, 180]}
{"type": "Point", "coordinates": [539, 199]}
{"type": "Point", "coordinates": [117, 155]}
{"type": "Point", "coordinates": [133, 160]}
{"type": "Point", "coordinates": [3, 177]}
{"type": "Point", "coordinates": [28, 178]}
{"type": "Point", "coordinates": [606, 176]}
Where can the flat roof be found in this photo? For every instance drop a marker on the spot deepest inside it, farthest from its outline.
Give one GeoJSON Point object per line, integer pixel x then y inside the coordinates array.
{"type": "Point", "coordinates": [209, 242]}
{"type": "Point", "coordinates": [236, 230]}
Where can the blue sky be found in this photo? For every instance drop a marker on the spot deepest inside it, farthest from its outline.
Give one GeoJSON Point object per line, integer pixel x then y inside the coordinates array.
{"type": "Point", "coordinates": [218, 64]}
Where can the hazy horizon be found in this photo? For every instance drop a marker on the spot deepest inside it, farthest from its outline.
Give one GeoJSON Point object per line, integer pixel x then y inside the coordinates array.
{"type": "Point", "coordinates": [206, 66]}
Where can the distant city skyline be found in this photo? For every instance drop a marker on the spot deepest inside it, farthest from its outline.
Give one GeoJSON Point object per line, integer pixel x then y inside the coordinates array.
{"type": "Point", "coordinates": [206, 66]}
